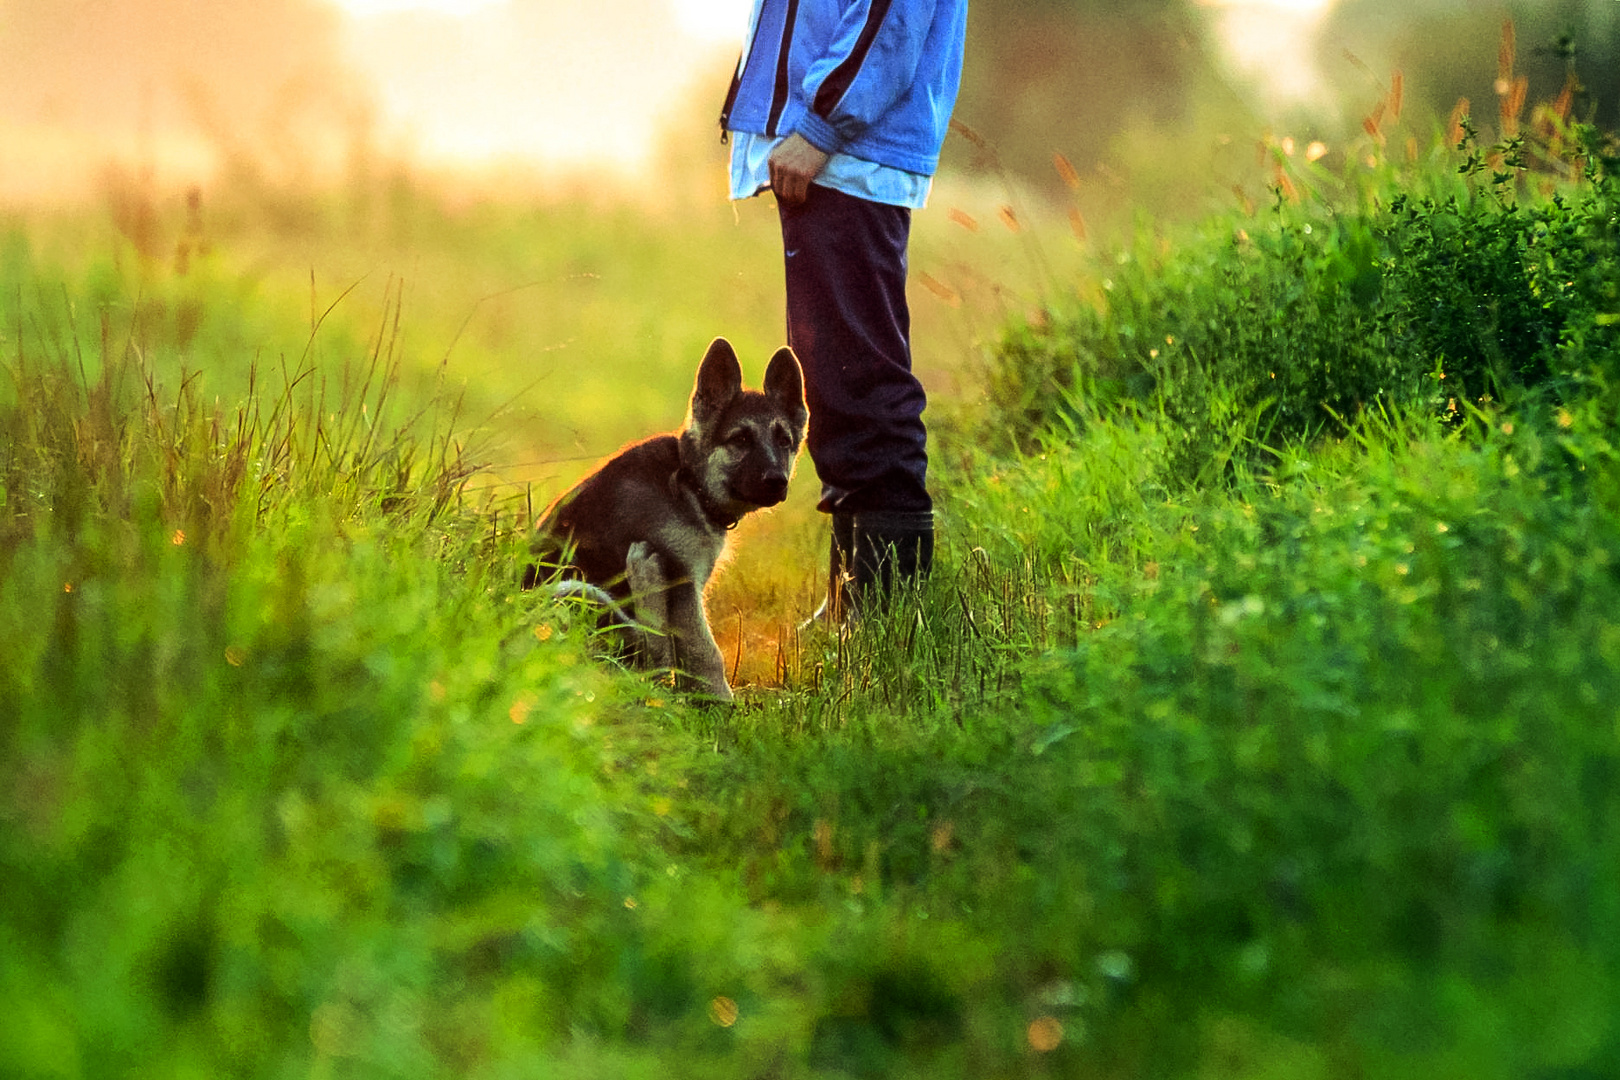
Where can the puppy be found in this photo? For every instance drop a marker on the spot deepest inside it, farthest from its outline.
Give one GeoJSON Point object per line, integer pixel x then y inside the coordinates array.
{"type": "Point", "coordinates": [644, 532]}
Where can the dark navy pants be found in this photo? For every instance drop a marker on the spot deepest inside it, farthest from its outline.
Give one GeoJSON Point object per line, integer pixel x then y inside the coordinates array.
{"type": "Point", "coordinates": [849, 324]}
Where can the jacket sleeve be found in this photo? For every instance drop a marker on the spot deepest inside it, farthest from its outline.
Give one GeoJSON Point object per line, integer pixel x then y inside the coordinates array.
{"type": "Point", "coordinates": [871, 63]}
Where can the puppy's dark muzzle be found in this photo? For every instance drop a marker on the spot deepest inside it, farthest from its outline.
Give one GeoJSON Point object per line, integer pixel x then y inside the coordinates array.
{"type": "Point", "coordinates": [766, 490]}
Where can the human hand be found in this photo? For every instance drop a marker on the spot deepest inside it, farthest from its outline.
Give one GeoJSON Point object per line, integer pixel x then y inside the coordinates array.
{"type": "Point", "coordinates": [793, 164]}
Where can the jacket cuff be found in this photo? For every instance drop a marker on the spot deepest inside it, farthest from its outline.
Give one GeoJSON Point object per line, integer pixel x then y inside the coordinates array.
{"type": "Point", "coordinates": [820, 134]}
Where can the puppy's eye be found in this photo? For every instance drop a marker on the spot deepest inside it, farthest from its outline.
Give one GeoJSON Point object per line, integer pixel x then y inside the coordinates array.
{"type": "Point", "coordinates": [783, 440]}
{"type": "Point", "coordinates": [741, 439]}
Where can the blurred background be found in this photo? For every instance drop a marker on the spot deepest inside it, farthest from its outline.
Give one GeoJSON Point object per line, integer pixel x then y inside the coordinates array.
{"type": "Point", "coordinates": [623, 93]}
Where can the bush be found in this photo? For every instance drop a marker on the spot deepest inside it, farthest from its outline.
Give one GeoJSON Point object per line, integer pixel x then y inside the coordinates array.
{"type": "Point", "coordinates": [1500, 294]}
{"type": "Point", "coordinates": [1259, 333]}
{"type": "Point", "coordinates": [1321, 763]}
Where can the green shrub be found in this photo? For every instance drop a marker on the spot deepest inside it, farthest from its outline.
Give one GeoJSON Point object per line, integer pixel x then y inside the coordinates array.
{"type": "Point", "coordinates": [1319, 761]}
{"type": "Point", "coordinates": [1254, 333]}
{"type": "Point", "coordinates": [1501, 294]}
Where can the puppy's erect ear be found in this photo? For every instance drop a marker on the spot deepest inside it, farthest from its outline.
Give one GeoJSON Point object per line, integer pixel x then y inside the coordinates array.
{"type": "Point", "coordinates": [719, 381]}
{"type": "Point", "coordinates": [784, 381]}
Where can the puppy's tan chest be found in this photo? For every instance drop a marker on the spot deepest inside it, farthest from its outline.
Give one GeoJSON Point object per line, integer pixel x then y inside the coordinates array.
{"type": "Point", "coordinates": [695, 556]}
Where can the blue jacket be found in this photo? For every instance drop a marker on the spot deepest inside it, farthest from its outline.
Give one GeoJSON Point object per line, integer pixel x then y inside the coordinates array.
{"type": "Point", "coordinates": [875, 79]}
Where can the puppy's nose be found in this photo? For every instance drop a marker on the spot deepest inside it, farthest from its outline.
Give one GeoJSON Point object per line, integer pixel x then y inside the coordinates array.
{"type": "Point", "coordinates": [774, 488]}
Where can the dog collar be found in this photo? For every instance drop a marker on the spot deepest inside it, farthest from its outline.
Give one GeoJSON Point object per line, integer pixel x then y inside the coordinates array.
{"type": "Point", "coordinates": [712, 513]}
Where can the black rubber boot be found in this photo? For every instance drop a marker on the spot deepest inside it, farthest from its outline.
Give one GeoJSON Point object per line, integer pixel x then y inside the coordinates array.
{"type": "Point", "coordinates": [870, 555]}
{"type": "Point", "coordinates": [892, 549]}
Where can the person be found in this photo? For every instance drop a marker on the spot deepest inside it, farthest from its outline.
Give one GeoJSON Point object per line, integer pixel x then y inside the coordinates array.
{"type": "Point", "coordinates": [840, 109]}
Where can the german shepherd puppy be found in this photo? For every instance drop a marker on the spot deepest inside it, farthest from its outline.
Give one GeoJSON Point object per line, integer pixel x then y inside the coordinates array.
{"type": "Point", "coordinates": [648, 527]}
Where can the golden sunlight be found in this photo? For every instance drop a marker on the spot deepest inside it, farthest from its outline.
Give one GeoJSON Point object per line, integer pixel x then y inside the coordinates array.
{"type": "Point", "coordinates": [1272, 43]}
{"type": "Point", "coordinates": [168, 91]}
{"type": "Point", "coordinates": [716, 20]}
{"type": "Point", "coordinates": [171, 92]}
{"type": "Point", "coordinates": [362, 8]}
{"type": "Point", "coordinates": [292, 92]}
{"type": "Point", "coordinates": [538, 81]}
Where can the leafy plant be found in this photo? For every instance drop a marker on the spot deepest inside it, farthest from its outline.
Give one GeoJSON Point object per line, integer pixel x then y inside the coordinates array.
{"type": "Point", "coordinates": [1503, 294]}
{"type": "Point", "coordinates": [1292, 323]}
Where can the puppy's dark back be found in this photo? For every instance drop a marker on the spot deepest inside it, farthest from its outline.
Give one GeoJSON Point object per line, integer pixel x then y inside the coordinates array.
{"type": "Point", "coordinates": [626, 499]}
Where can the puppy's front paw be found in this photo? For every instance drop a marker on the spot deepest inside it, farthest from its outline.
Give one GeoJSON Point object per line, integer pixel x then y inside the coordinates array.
{"type": "Point", "coordinates": [643, 569]}
{"type": "Point", "coordinates": [644, 573]}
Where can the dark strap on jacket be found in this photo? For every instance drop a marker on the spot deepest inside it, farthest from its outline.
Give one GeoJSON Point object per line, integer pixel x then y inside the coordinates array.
{"type": "Point", "coordinates": [779, 96]}
{"type": "Point", "coordinates": [838, 81]}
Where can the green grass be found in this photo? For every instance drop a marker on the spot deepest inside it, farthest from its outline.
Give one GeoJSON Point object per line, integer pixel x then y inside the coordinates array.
{"type": "Point", "coordinates": [1328, 759]}
{"type": "Point", "coordinates": [1219, 745]}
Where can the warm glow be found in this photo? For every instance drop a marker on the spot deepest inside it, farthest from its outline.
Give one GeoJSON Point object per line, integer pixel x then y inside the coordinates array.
{"type": "Point", "coordinates": [363, 8]}
{"type": "Point", "coordinates": [171, 91]}
{"type": "Point", "coordinates": [139, 92]}
{"type": "Point", "coordinates": [716, 20]}
{"type": "Point", "coordinates": [1309, 7]}
{"type": "Point", "coordinates": [1273, 43]}
{"type": "Point", "coordinates": [712, 19]}
{"type": "Point", "coordinates": [549, 81]}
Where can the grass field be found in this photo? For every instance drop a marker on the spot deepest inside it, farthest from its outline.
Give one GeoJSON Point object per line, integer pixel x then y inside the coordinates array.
{"type": "Point", "coordinates": [1259, 721]}
{"type": "Point", "coordinates": [565, 326]}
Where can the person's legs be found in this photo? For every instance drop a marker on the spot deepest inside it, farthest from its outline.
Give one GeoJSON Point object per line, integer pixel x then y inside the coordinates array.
{"type": "Point", "coordinates": [850, 327]}
{"type": "Point", "coordinates": [848, 322]}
